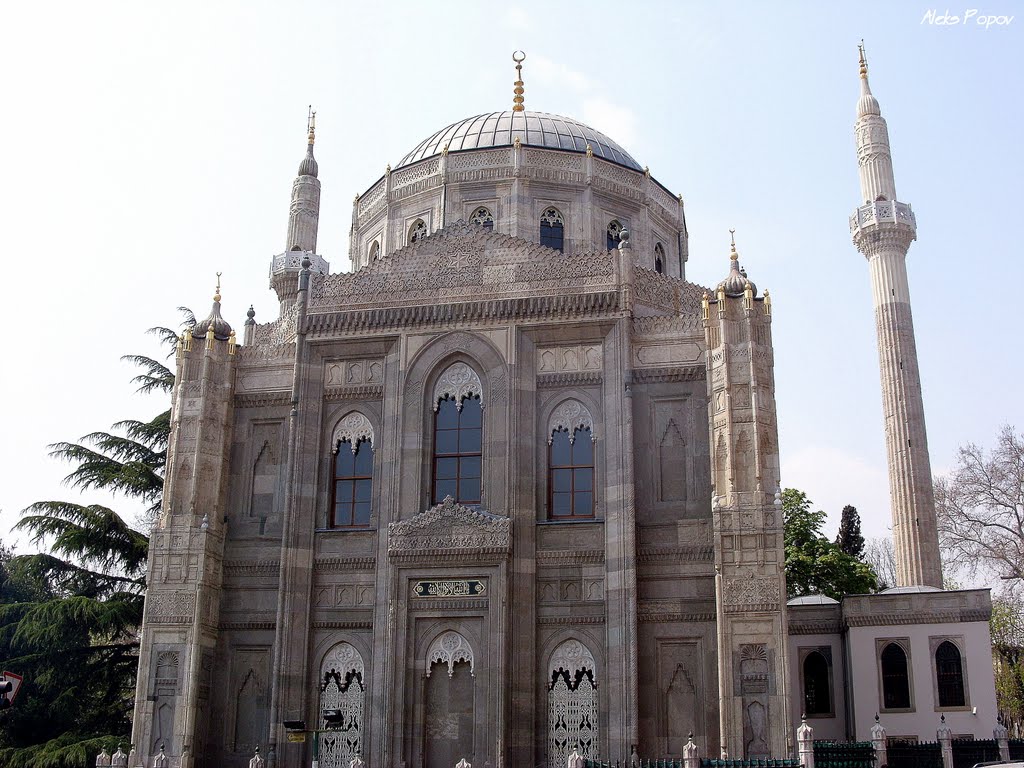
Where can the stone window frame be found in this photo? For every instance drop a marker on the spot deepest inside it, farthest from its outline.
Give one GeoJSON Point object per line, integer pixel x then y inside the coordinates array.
{"type": "Point", "coordinates": [803, 652]}
{"type": "Point", "coordinates": [414, 233]}
{"type": "Point", "coordinates": [613, 232]}
{"type": "Point", "coordinates": [356, 424]}
{"type": "Point", "coordinates": [934, 641]}
{"type": "Point", "coordinates": [904, 645]}
{"type": "Point", "coordinates": [551, 419]}
{"type": "Point", "coordinates": [484, 221]}
{"type": "Point", "coordinates": [545, 214]}
{"type": "Point", "coordinates": [455, 385]}
{"type": "Point", "coordinates": [659, 258]}
{"type": "Point", "coordinates": [373, 253]}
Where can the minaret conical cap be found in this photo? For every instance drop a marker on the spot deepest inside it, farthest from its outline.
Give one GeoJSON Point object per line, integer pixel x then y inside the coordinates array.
{"type": "Point", "coordinates": [221, 327]}
{"type": "Point", "coordinates": [308, 166]}
{"type": "Point", "coordinates": [867, 104]}
{"type": "Point", "coordinates": [737, 281]}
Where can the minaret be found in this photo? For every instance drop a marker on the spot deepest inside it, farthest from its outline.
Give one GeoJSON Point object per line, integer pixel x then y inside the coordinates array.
{"type": "Point", "coordinates": [883, 230]}
{"type": "Point", "coordinates": [303, 223]}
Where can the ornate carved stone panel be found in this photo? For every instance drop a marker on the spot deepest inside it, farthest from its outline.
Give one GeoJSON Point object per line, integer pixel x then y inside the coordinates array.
{"type": "Point", "coordinates": [353, 427]}
{"type": "Point", "coordinates": [342, 688]}
{"type": "Point", "coordinates": [571, 415]}
{"type": "Point", "coordinates": [572, 703]}
{"type": "Point", "coordinates": [458, 382]}
{"type": "Point", "coordinates": [580, 357]}
{"type": "Point", "coordinates": [448, 649]}
{"type": "Point", "coordinates": [450, 530]}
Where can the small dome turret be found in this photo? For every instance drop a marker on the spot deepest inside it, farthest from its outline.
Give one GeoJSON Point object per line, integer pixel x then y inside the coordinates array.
{"type": "Point", "coordinates": [221, 327]}
{"type": "Point", "coordinates": [737, 281]}
{"type": "Point", "coordinates": [867, 104]}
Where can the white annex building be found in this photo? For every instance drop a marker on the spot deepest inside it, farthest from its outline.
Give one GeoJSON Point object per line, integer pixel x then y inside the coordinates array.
{"type": "Point", "coordinates": [510, 487]}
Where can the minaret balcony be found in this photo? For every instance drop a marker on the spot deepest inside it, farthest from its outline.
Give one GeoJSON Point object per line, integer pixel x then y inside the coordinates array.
{"type": "Point", "coordinates": [882, 212]}
{"type": "Point", "coordinates": [291, 262]}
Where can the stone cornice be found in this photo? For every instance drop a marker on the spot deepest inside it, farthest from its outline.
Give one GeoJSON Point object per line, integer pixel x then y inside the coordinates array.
{"type": "Point", "coordinates": [922, 617]}
{"type": "Point", "coordinates": [669, 374]}
{"type": "Point", "coordinates": [497, 309]}
{"type": "Point", "coordinates": [340, 624]}
{"type": "Point", "coordinates": [244, 626]}
{"type": "Point", "coordinates": [570, 557]}
{"type": "Point", "coordinates": [363, 392]}
{"type": "Point", "coordinates": [676, 554]}
{"type": "Point", "coordinates": [814, 627]}
{"type": "Point", "coordinates": [569, 379]}
{"type": "Point", "coordinates": [262, 399]}
{"type": "Point", "coordinates": [344, 564]}
{"type": "Point", "coordinates": [570, 620]}
{"type": "Point", "coordinates": [252, 568]}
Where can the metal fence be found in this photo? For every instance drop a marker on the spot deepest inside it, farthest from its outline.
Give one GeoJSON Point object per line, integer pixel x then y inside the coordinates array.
{"type": "Point", "coordinates": [844, 754]}
{"type": "Point", "coordinates": [1017, 749]}
{"type": "Point", "coordinates": [968, 752]}
{"type": "Point", "coordinates": [771, 763]}
{"type": "Point", "coordinates": [906, 754]}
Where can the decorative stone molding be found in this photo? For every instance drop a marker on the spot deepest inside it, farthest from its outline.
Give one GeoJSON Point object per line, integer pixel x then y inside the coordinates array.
{"type": "Point", "coordinates": [676, 554]}
{"type": "Point", "coordinates": [342, 659]}
{"type": "Point", "coordinates": [669, 374]}
{"type": "Point", "coordinates": [360, 392]}
{"type": "Point", "coordinates": [743, 592]}
{"type": "Point", "coordinates": [569, 620]}
{"type": "Point", "coordinates": [450, 530]}
{"type": "Point", "coordinates": [570, 556]}
{"type": "Point", "coordinates": [572, 656]}
{"type": "Point", "coordinates": [353, 427]}
{"type": "Point", "coordinates": [569, 379]}
{"type": "Point", "coordinates": [170, 607]}
{"type": "Point", "coordinates": [348, 624]}
{"type": "Point", "coordinates": [252, 568]}
{"type": "Point", "coordinates": [342, 564]}
{"type": "Point", "coordinates": [450, 648]}
{"type": "Point", "coordinates": [263, 399]}
{"type": "Point", "coordinates": [571, 415]}
{"type": "Point", "coordinates": [458, 382]}
{"type": "Point", "coordinates": [245, 626]}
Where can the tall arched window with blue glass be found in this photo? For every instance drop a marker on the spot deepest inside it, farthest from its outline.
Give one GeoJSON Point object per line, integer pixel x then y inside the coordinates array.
{"type": "Point", "coordinates": [458, 437]}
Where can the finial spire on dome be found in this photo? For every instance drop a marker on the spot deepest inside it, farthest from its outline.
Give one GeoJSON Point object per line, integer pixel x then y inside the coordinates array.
{"type": "Point", "coordinates": [867, 104]}
{"type": "Point", "coordinates": [216, 293]}
{"type": "Point", "coordinates": [863, 60]}
{"type": "Point", "coordinates": [517, 101]}
{"type": "Point", "coordinates": [311, 124]}
{"type": "Point", "coordinates": [733, 256]}
{"type": "Point", "coordinates": [736, 283]}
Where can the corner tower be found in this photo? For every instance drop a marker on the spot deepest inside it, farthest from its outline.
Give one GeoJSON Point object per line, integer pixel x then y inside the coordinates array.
{"type": "Point", "coordinates": [303, 223]}
{"type": "Point", "coordinates": [883, 230]}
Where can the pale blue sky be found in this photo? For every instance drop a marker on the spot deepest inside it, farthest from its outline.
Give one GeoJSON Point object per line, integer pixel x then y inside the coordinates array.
{"type": "Point", "coordinates": [146, 146]}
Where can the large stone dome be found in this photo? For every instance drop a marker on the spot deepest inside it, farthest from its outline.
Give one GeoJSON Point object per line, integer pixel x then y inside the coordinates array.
{"type": "Point", "coordinates": [535, 129]}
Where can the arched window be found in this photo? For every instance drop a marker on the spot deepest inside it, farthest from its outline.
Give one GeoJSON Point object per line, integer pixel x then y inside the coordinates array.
{"type": "Point", "coordinates": [374, 252]}
{"type": "Point", "coordinates": [417, 231]}
{"type": "Point", "coordinates": [817, 685]}
{"type": "Point", "coordinates": [353, 482]}
{"type": "Point", "coordinates": [458, 455]}
{"type": "Point", "coordinates": [572, 703]}
{"type": "Point", "coordinates": [571, 474]}
{"type": "Point", "coordinates": [342, 689]}
{"type": "Point", "coordinates": [949, 674]}
{"type": "Point", "coordinates": [614, 230]}
{"type": "Point", "coordinates": [483, 217]}
{"type": "Point", "coordinates": [659, 258]}
{"type": "Point", "coordinates": [895, 678]}
{"type": "Point", "coordinates": [552, 229]}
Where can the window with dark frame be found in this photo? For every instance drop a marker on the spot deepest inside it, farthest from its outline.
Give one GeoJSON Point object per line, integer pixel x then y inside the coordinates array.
{"type": "Point", "coordinates": [552, 229]}
{"type": "Point", "coordinates": [895, 678]}
{"type": "Point", "coordinates": [483, 217]}
{"type": "Point", "coordinates": [659, 258]}
{"type": "Point", "coordinates": [571, 475]}
{"type": "Point", "coordinates": [458, 455]}
{"type": "Point", "coordinates": [817, 688]}
{"type": "Point", "coordinates": [949, 674]}
{"type": "Point", "coordinates": [353, 485]}
{"type": "Point", "coordinates": [614, 233]}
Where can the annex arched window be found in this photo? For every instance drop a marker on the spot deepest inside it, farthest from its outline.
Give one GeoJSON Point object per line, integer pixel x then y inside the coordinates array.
{"type": "Point", "coordinates": [659, 258]}
{"type": "Point", "coordinates": [570, 462]}
{"type": "Point", "coordinates": [552, 229]}
{"type": "Point", "coordinates": [374, 253]}
{"type": "Point", "coordinates": [895, 677]}
{"type": "Point", "coordinates": [817, 685]}
{"type": "Point", "coordinates": [458, 436]}
{"type": "Point", "coordinates": [572, 703]}
{"type": "Point", "coordinates": [612, 234]}
{"type": "Point", "coordinates": [949, 675]}
{"type": "Point", "coordinates": [343, 690]}
{"type": "Point", "coordinates": [417, 231]}
{"type": "Point", "coordinates": [483, 218]}
{"type": "Point", "coordinates": [352, 445]}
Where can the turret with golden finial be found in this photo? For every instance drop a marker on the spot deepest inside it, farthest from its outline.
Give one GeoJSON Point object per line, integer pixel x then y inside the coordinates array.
{"type": "Point", "coordinates": [214, 326]}
{"type": "Point", "coordinates": [517, 101]}
{"type": "Point", "coordinates": [736, 284]}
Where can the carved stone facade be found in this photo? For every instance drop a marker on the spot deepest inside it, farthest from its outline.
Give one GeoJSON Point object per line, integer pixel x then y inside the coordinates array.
{"type": "Point", "coordinates": [478, 625]}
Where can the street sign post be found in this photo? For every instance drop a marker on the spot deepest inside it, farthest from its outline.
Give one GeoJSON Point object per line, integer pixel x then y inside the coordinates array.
{"type": "Point", "coordinates": [10, 683]}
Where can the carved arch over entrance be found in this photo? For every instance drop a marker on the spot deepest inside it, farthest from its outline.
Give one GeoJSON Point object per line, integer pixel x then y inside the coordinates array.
{"type": "Point", "coordinates": [572, 703]}
{"type": "Point", "coordinates": [342, 688]}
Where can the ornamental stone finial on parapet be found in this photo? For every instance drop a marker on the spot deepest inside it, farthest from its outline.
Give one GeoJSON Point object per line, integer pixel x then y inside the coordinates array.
{"type": "Point", "coordinates": [463, 763]}
{"type": "Point", "coordinates": [257, 761]}
{"type": "Point", "coordinates": [1002, 737]}
{"type": "Point", "coordinates": [355, 762]}
{"type": "Point", "coordinates": [119, 759]}
{"type": "Point", "coordinates": [878, 741]}
{"type": "Point", "coordinates": [691, 754]}
{"type": "Point", "coordinates": [575, 760]}
{"type": "Point", "coordinates": [805, 743]}
{"type": "Point", "coordinates": [103, 759]}
{"type": "Point", "coordinates": [162, 761]}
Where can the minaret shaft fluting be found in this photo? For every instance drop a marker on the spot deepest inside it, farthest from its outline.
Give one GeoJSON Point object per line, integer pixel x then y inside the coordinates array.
{"type": "Point", "coordinates": [883, 230]}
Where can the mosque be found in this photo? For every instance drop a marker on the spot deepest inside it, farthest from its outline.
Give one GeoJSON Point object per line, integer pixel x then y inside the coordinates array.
{"type": "Point", "coordinates": [510, 487]}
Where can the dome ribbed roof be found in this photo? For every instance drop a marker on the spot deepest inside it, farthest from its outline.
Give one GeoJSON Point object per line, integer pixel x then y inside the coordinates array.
{"type": "Point", "coordinates": [535, 129]}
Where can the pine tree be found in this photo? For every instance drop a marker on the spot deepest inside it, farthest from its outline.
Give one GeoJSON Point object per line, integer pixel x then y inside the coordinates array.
{"type": "Point", "coordinates": [70, 617]}
{"type": "Point", "coordinates": [850, 539]}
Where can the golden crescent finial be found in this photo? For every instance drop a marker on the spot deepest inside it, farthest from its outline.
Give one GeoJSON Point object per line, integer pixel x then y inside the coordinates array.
{"type": "Point", "coordinates": [863, 59]}
{"type": "Point", "coordinates": [732, 238]}
{"type": "Point", "coordinates": [216, 295]}
{"type": "Point", "coordinates": [311, 124]}
{"type": "Point", "coordinates": [517, 101]}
